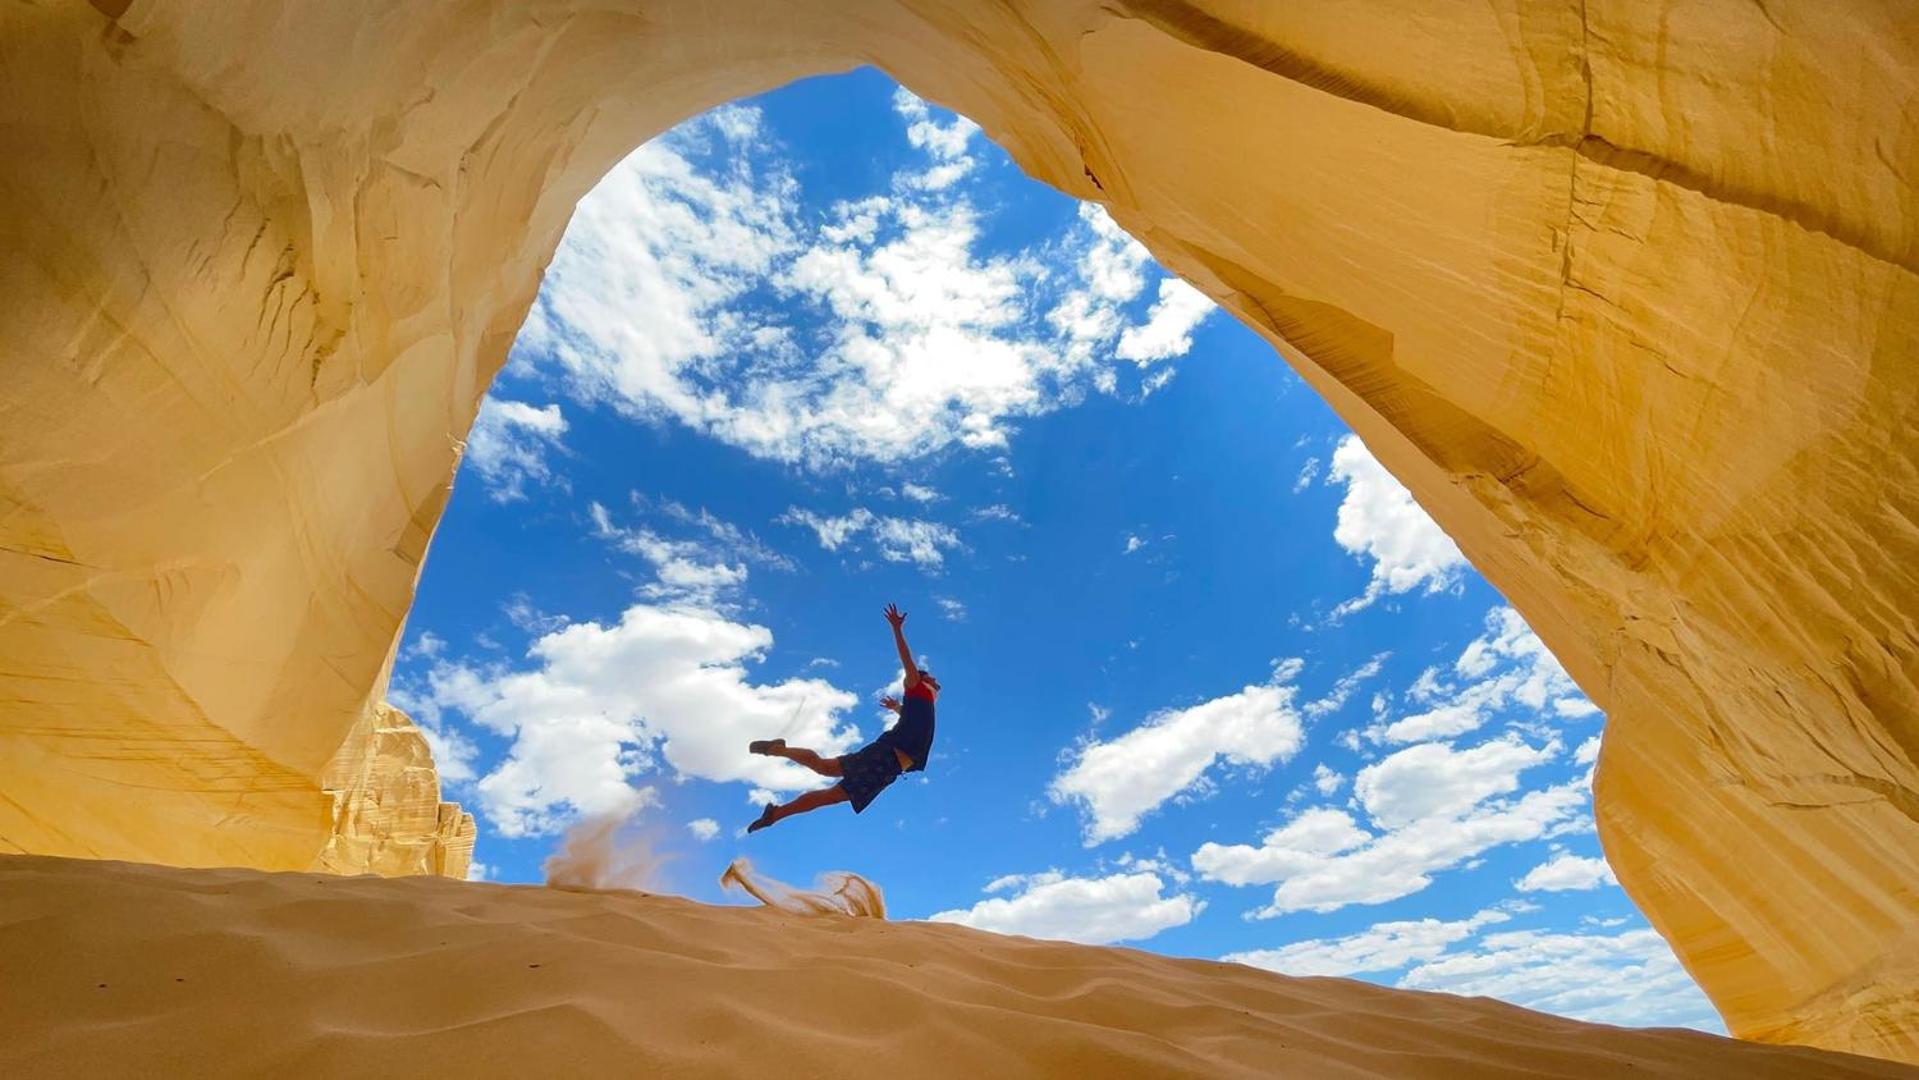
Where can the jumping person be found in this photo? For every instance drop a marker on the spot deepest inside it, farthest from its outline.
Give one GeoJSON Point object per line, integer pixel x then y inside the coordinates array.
{"type": "Point", "coordinates": [866, 772]}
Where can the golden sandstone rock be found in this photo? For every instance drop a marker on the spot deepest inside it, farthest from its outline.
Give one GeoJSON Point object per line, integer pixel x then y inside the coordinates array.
{"type": "Point", "coordinates": [1627, 294]}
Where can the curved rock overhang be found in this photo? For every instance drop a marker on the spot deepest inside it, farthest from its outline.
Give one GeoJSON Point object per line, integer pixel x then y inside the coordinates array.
{"type": "Point", "coordinates": [1627, 295]}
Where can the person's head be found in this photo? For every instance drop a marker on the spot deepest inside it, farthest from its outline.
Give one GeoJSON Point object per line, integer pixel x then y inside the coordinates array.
{"type": "Point", "coordinates": [927, 678]}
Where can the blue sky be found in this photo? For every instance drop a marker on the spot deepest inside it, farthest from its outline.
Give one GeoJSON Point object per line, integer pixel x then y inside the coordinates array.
{"type": "Point", "coordinates": [1215, 686]}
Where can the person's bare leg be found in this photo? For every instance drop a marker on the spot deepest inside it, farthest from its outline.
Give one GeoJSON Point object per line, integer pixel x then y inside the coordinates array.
{"type": "Point", "coordinates": [825, 766]}
{"type": "Point", "coordinates": [812, 800]}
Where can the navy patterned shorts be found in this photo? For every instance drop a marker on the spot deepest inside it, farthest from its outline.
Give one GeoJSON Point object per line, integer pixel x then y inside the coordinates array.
{"type": "Point", "coordinates": [866, 772]}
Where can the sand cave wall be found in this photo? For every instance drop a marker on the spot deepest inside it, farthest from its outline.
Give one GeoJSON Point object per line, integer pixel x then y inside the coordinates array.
{"type": "Point", "coordinates": [1627, 294]}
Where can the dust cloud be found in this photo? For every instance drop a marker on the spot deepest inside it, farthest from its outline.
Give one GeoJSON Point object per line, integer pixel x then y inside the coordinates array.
{"type": "Point", "coordinates": [836, 892]}
{"type": "Point", "coordinates": [605, 852]}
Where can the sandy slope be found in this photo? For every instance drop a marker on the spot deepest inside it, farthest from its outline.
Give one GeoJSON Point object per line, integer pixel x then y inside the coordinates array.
{"type": "Point", "coordinates": [118, 969]}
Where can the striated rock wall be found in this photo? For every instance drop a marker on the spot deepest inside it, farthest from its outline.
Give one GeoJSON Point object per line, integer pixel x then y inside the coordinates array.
{"type": "Point", "coordinates": [1626, 293]}
{"type": "Point", "coordinates": [387, 815]}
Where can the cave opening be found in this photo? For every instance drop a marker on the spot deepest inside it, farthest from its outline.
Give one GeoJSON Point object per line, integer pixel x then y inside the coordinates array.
{"type": "Point", "coordinates": [1656, 384]}
{"type": "Point", "coordinates": [828, 347]}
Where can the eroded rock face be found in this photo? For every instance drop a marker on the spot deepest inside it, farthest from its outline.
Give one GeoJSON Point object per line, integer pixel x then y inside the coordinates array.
{"type": "Point", "coordinates": [387, 815]}
{"type": "Point", "coordinates": [1625, 293]}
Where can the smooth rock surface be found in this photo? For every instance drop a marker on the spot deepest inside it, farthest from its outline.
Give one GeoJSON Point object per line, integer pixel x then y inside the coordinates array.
{"type": "Point", "coordinates": [1625, 293]}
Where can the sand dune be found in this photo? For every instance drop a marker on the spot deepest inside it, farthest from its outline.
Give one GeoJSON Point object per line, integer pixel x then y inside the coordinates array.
{"type": "Point", "coordinates": [119, 969]}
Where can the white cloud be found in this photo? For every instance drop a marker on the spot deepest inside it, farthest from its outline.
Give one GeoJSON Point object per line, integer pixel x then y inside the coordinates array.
{"type": "Point", "coordinates": [943, 142]}
{"type": "Point", "coordinates": [1092, 911]}
{"type": "Point", "coordinates": [478, 871]}
{"type": "Point", "coordinates": [1588, 751]}
{"type": "Point", "coordinates": [603, 703]}
{"type": "Point", "coordinates": [519, 611]}
{"type": "Point", "coordinates": [919, 492]}
{"type": "Point", "coordinates": [1326, 780]}
{"type": "Point", "coordinates": [1380, 522]}
{"type": "Point", "coordinates": [1629, 978]}
{"type": "Point", "coordinates": [690, 283]}
{"type": "Point", "coordinates": [428, 644]}
{"type": "Point", "coordinates": [1156, 864]}
{"type": "Point", "coordinates": [1566, 872]}
{"type": "Point", "coordinates": [1342, 690]}
{"type": "Point", "coordinates": [951, 608]}
{"type": "Point", "coordinates": [923, 543]}
{"type": "Point", "coordinates": [1386, 946]}
{"type": "Point", "coordinates": [704, 570]}
{"type": "Point", "coordinates": [1505, 666]}
{"type": "Point", "coordinates": [509, 444]}
{"type": "Point", "coordinates": [1432, 808]}
{"type": "Point", "coordinates": [1169, 326]}
{"type": "Point", "coordinates": [996, 512]}
{"type": "Point", "coordinates": [1121, 780]}
{"type": "Point", "coordinates": [1435, 780]}
{"type": "Point", "coordinates": [703, 829]}
{"type": "Point", "coordinates": [1133, 543]}
{"type": "Point", "coordinates": [1308, 473]}
{"type": "Point", "coordinates": [1575, 708]}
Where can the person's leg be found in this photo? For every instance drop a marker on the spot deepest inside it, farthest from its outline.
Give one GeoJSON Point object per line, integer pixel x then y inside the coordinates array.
{"type": "Point", "coordinates": [812, 800]}
{"type": "Point", "coordinates": [825, 766]}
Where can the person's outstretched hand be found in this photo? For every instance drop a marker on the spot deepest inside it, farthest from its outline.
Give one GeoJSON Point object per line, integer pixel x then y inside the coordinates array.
{"type": "Point", "coordinates": [895, 616]}
{"type": "Point", "coordinates": [890, 702]}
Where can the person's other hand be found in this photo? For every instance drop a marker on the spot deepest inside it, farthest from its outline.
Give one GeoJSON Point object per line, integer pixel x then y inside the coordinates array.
{"type": "Point", "coordinates": [895, 616]}
{"type": "Point", "coordinates": [890, 702]}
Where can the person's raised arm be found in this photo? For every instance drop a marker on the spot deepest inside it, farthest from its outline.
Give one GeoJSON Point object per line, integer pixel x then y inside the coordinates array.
{"type": "Point", "coordinates": [898, 620]}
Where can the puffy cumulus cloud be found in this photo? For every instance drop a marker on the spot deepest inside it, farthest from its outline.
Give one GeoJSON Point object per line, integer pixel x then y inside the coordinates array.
{"type": "Point", "coordinates": [602, 705]}
{"type": "Point", "coordinates": [1168, 329]}
{"type": "Point", "coordinates": [923, 543]}
{"type": "Point", "coordinates": [954, 610]}
{"type": "Point", "coordinates": [1326, 780]}
{"type": "Point", "coordinates": [942, 141]}
{"type": "Point", "coordinates": [703, 829]}
{"type": "Point", "coordinates": [692, 286]}
{"type": "Point", "coordinates": [1386, 946]}
{"type": "Point", "coordinates": [1129, 906]}
{"type": "Point", "coordinates": [509, 444]}
{"type": "Point", "coordinates": [638, 297]}
{"type": "Point", "coordinates": [1629, 978]}
{"type": "Point", "coordinates": [1505, 667]}
{"type": "Point", "coordinates": [1431, 808]}
{"type": "Point", "coordinates": [1379, 521]}
{"type": "Point", "coordinates": [1566, 872]}
{"type": "Point", "coordinates": [1119, 781]}
{"type": "Point", "coordinates": [1435, 779]}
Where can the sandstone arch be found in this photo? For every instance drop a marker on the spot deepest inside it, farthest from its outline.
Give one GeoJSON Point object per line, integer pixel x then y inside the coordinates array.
{"type": "Point", "coordinates": [1626, 293]}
